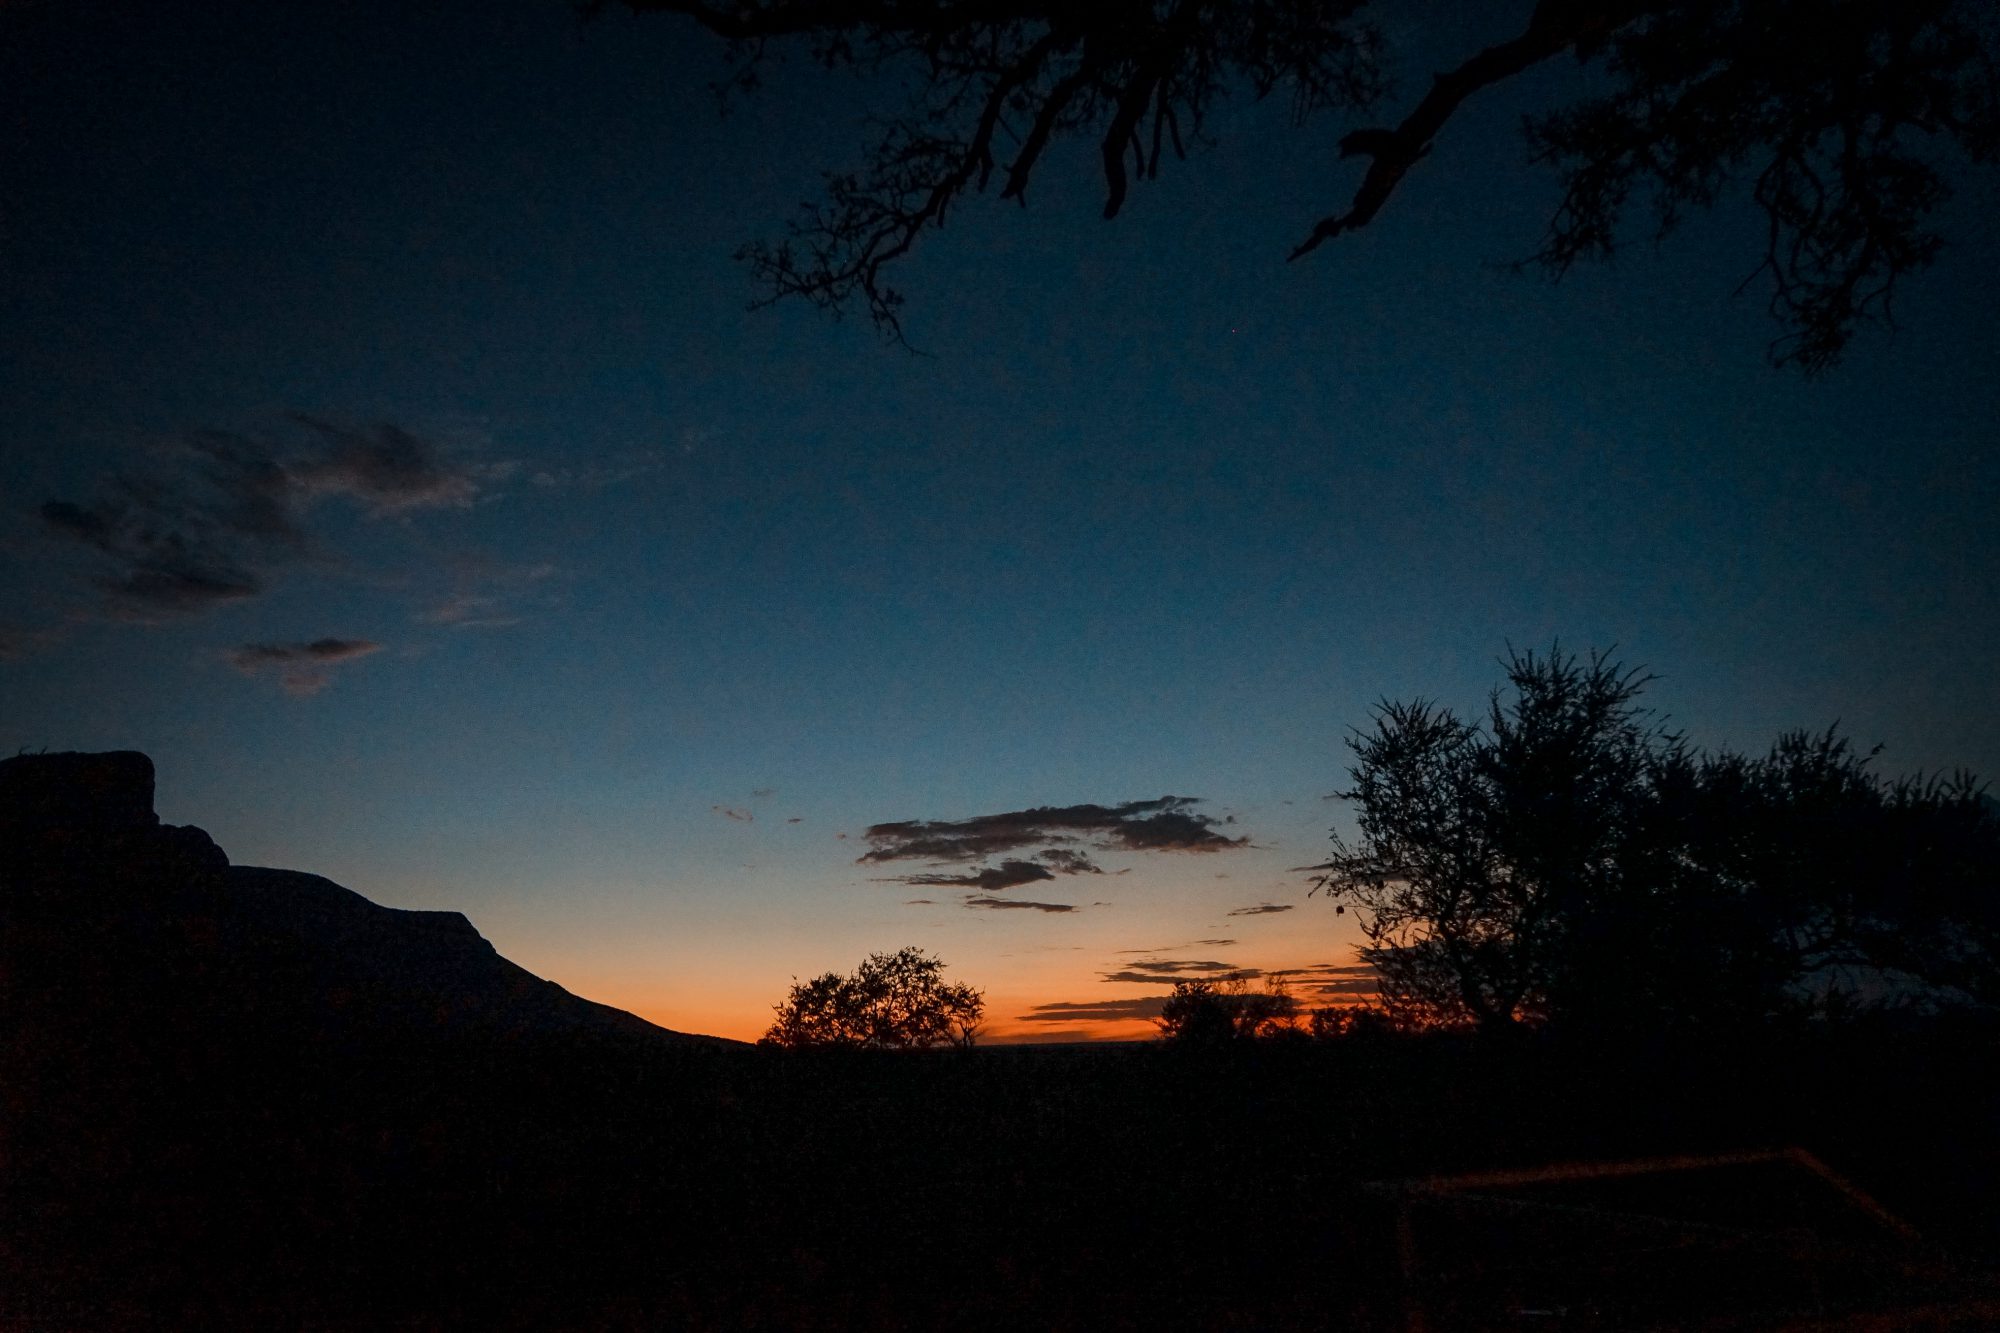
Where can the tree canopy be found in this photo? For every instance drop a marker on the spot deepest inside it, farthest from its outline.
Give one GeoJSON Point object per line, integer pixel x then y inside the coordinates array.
{"type": "Point", "coordinates": [1573, 860]}
{"type": "Point", "coordinates": [1840, 118]}
{"type": "Point", "coordinates": [894, 1000]}
{"type": "Point", "coordinates": [1206, 1012]}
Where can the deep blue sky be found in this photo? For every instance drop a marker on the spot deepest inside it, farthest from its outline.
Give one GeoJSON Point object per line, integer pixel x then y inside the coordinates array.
{"type": "Point", "coordinates": [1154, 513]}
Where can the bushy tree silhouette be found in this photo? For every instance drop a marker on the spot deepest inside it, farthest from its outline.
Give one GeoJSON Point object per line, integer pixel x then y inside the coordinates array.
{"type": "Point", "coordinates": [1839, 118]}
{"type": "Point", "coordinates": [1572, 860]}
{"type": "Point", "coordinates": [894, 1000]}
{"type": "Point", "coordinates": [1203, 1012]}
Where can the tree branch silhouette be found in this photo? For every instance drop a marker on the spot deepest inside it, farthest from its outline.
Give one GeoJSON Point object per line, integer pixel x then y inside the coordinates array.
{"type": "Point", "coordinates": [1837, 119]}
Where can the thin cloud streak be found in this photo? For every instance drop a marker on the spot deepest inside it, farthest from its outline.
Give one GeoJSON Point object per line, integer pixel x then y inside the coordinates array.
{"type": "Point", "coordinates": [1017, 904]}
{"type": "Point", "coordinates": [1083, 1011]}
{"type": "Point", "coordinates": [302, 668]}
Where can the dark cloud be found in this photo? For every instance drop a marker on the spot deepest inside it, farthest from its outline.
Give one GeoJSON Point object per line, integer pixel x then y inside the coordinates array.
{"type": "Point", "coordinates": [1162, 825]}
{"type": "Point", "coordinates": [796, 819]}
{"type": "Point", "coordinates": [1166, 971]}
{"type": "Point", "coordinates": [732, 812]}
{"type": "Point", "coordinates": [219, 510]}
{"type": "Point", "coordinates": [1263, 909]}
{"type": "Point", "coordinates": [763, 793]}
{"type": "Point", "coordinates": [1182, 965]}
{"type": "Point", "coordinates": [1336, 980]}
{"type": "Point", "coordinates": [978, 900]}
{"type": "Point", "coordinates": [254, 656]}
{"type": "Point", "coordinates": [921, 902]}
{"type": "Point", "coordinates": [1174, 831]}
{"type": "Point", "coordinates": [1010, 873]}
{"type": "Point", "coordinates": [159, 566]}
{"type": "Point", "coordinates": [302, 668]}
{"type": "Point", "coordinates": [1169, 948]}
{"type": "Point", "coordinates": [1006, 875]}
{"type": "Point", "coordinates": [1169, 978]}
{"type": "Point", "coordinates": [1084, 1011]}
{"type": "Point", "coordinates": [387, 469]}
{"type": "Point", "coordinates": [1329, 990]}
{"type": "Point", "coordinates": [1333, 970]}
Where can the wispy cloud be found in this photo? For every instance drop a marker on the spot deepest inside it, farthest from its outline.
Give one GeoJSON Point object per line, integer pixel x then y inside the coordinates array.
{"type": "Point", "coordinates": [490, 594]}
{"type": "Point", "coordinates": [388, 470]}
{"type": "Point", "coordinates": [468, 610]}
{"type": "Point", "coordinates": [218, 511]}
{"type": "Point", "coordinates": [599, 474]}
{"type": "Point", "coordinates": [1333, 981]}
{"type": "Point", "coordinates": [1084, 1011]}
{"type": "Point", "coordinates": [1263, 909]}
{"type": "Point", "coordinates": [736, 813]}
{"type": "Point", "coordinates": [302, 668]}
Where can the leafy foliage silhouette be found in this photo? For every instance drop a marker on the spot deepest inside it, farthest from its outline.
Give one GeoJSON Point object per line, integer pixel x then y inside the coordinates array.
{"type": "Point", "coordinates": [1573, 861]}
{"type": "Point", "coordinates": [894, 1000]}
{"type": "Point", "coordinates": [1206, 1012]}
{"type": "Point", "coordinates": [1839, 117]}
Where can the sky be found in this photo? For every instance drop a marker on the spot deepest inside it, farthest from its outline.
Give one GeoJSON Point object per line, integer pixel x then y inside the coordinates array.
{"type": "Point", "coordinates": [387, 448]}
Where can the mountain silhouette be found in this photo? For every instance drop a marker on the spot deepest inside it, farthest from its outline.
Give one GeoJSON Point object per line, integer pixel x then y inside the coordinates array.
{"type": "Point", "coordinates": [229, 1091]}
{"type": "Point", "coordinates": [106, 909]}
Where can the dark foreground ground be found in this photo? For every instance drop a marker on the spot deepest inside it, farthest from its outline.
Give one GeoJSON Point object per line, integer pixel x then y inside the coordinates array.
{"type": "Point", "coordinates": [608, 1185]}
{"type": "Point", "coordinates": [236, 1098]}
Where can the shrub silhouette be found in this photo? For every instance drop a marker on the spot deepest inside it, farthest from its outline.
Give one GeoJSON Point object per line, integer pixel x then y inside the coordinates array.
{"type": "Point", "coordinates": [894, 1000]}
{"type": "Point", "coordinates": [1204, 1012]}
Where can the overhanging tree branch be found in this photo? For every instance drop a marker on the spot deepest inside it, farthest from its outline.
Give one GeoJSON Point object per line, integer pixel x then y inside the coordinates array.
{"type": "Point", "coordinates": [1555, 27]}
{"type": "Point", "coordinates": [1833, 117]}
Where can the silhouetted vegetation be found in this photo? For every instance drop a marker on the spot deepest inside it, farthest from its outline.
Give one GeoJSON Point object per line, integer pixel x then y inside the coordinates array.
{"type": "Point", "coordinates": [243, 1099]}
{"type": "Point", "coordinates": [1572, 861]}
{"type": "Point", "coordinates": [1839, 120]}
{"type": "Point", "coordinates": [1203, 1011]}
{"type": "Point", "coordinates": [894, 1001]}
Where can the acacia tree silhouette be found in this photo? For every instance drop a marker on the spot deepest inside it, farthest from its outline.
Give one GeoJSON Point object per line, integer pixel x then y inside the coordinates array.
{"type": "Point", "coordinates": [893, 1000]}
{"type": "Point", "coordinates": [1572, 861]}
{"type": "Point", "coordinates": [1836, 115]}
